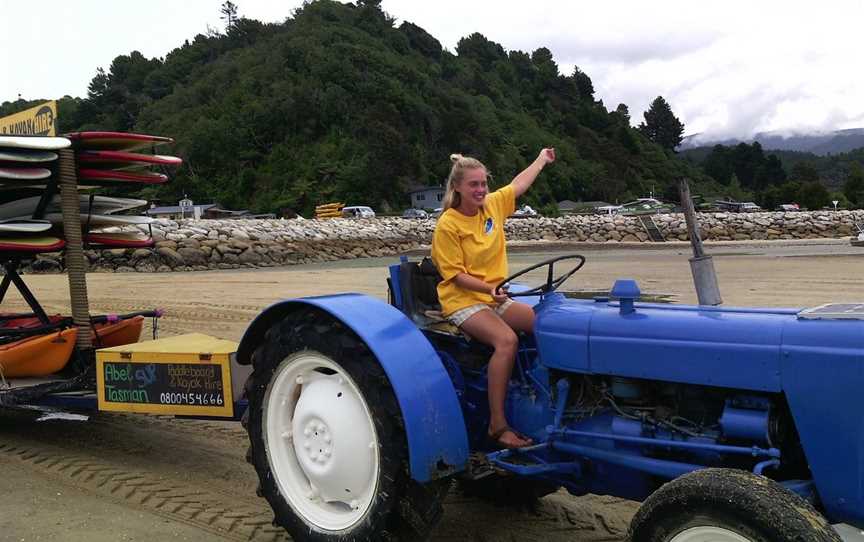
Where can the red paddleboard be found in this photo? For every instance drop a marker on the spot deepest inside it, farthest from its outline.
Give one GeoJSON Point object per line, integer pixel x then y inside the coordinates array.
{"type": "Point", "coordinates": [23, 173]}
{"type": "Point", "coordinates": [118, 141]}
{"type": "Point", "coordinates": [17, 322]}
{"type": "Point", "coordinates": [119, 240]}
{"type": "Point", "coordinates": [111, 176]}
{"type": "Point", "coordinates": [31, 244]}
{"type": "Point", "coordinates": [123, 159]}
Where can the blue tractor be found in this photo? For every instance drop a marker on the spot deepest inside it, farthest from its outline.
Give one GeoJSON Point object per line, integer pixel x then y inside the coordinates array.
{"type": "Point", "coordinates": [730, 424]}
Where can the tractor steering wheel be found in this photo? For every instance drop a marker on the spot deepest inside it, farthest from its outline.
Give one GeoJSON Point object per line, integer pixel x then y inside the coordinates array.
{"type": "Point", "coordinates": [551, 284]}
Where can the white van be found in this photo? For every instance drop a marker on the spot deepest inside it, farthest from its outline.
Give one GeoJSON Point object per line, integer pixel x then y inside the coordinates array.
{"type": "Point", "coordinates": [358, 211]}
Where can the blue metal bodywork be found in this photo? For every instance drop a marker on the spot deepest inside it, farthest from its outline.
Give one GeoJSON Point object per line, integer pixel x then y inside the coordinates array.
{"type": "Point", "coordinates": [816, 365]}
{"type": "Point", "coordinates": [622, 396]}
{"type": "Point", "coordinates": [755, 375]}
{"type": "Point", "coordinates": [822, 371]}
{"type": "Point", "coordinates": [437, 442]}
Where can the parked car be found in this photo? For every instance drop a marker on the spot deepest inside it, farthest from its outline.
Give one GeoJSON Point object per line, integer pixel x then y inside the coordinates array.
{"type": "Point", "coordinates": [358, 211]}
{"type": "Point", "coordinates": [436, 212]}
{"type": "Point", "coordinates": [526, 211]}
{"type": "Point", "coordinates": [737, 206]}
{"type": "Point", "coordinates": [415, 213]}
{"type": "Point", "coordinates": [645, 206]}
{"type": "Point", "coordinates": [607, 209]}
{"type": "Point", "coordinates": [789, 207]}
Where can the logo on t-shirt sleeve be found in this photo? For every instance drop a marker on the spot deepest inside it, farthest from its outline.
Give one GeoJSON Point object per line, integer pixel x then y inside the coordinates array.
{"type": "Point", "coordinates": [489, 226]}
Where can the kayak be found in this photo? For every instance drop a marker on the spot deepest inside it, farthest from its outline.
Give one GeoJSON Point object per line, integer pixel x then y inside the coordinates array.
{"type": "Point", "coordinates": [118, 333]}
{"type": "Point", "coordinates": [41, 355]}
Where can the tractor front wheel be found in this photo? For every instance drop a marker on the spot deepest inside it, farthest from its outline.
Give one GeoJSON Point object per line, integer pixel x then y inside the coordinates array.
{"type": "Point", "coordinates": [327, 437]}
{"type": "Point", "coordinates": [726, 505]}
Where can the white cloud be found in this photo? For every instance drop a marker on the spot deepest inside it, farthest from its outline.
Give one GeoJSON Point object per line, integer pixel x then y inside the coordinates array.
{"type": "Point", "coordinates": [730, 68]}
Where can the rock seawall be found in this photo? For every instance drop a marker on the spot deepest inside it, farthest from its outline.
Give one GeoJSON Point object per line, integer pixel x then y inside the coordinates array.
{"type": "Point", "coordinates": [195, 245]}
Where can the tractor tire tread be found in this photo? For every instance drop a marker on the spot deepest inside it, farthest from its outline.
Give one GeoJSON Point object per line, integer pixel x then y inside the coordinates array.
{"type": "Point", "coordinates": [404, 509]}
{"type": "Point", "coordinates": [755, 506]}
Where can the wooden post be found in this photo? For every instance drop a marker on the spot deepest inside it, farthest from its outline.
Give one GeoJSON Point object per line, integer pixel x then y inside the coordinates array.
{"type": "Point", "coordinates": [701, 266]}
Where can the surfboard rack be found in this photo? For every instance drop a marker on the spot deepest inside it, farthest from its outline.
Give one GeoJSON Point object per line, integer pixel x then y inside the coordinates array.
{"type": "Point", "coordinates": [12, 277]}
{"type": "Point", "coordinates": [110, 155]}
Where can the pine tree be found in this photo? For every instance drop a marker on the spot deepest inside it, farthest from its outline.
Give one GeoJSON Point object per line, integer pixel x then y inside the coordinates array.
{"type": "Point", "coordinates": [229, 14]}
{"type": "Point", "coordinates": [853, 188]}
{"type": "Point", "coordinates": [661, 126]}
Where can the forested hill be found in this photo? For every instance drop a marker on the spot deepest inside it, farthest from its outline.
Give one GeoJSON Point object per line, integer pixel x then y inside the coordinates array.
{"type": "Point", "coordinates": [338, 103]}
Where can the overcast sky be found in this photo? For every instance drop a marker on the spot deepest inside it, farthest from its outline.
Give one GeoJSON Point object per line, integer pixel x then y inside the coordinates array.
{"type": "Point", "coordinates": [729, 68]}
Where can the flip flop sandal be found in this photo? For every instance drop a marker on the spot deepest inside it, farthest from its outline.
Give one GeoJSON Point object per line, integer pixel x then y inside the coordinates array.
{"type": "Point", "coordinates": [495, 438]}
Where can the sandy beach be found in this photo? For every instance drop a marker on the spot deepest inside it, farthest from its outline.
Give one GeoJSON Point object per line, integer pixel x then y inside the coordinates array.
{"type": "Point", "coordinates": [124, 477]}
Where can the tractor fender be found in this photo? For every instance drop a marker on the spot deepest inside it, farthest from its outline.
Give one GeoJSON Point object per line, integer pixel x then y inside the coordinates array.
{"type": "Point", "coordinates": [434, 426]}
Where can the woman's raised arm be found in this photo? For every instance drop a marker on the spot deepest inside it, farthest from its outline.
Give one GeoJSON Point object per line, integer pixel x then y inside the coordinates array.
{"type": "Point", "coordinates": [522, 182]}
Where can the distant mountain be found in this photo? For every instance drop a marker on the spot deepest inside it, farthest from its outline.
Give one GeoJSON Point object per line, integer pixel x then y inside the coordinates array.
{"type": "Point", "coordinates": [819, 143]}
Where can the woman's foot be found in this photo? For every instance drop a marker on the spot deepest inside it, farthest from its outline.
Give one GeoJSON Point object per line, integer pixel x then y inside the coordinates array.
{"type": "Point", "coordinates": [507, 437]}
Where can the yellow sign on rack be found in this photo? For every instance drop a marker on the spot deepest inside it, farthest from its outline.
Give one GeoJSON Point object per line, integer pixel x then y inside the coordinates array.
{"type": "Point", "coordinates": [36, 121]}
{"type": "Point", "coordinates": [183, 375]}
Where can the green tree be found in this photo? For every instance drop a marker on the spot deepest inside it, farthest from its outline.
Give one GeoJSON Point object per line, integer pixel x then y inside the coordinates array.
{"type": "Point", "coordinates": [770, 198]}
{"type": "Point", "coordinates": [853, 188]}
{"type": "Point", "coordinates": [586, 87]}
{"type": "Point", "coordinates": [229, 14]}
{"type": "Point", "coordinates": [338, 104]}
{"type": "Point", "coordinates": [734, 191]}
{"type": "Point", "coordinates": [841, 199]}
{"type": "Point", "coordinates": [813, 195]}
{"type": "Point", "coordinates": [661, 126]}
{"type": "Point", "coordinates": [718, 164]}
{"type": "Point", "coordinates": [624, 112]}
{"type": "Point", "coordinates": [805, 172]}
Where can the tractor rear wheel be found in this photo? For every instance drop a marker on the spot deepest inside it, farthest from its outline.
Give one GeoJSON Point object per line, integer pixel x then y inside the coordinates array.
{"type": "Point", "coordinates": [327, 437]}
{"type": "Point", "coordinates": [727, 505]}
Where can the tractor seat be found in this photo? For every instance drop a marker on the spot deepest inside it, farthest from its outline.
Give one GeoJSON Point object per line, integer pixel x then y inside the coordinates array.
{"type": "Point", "coordinates": [419, 285]}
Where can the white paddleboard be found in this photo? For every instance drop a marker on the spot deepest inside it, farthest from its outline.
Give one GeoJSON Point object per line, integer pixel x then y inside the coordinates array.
{"type": "Point", "coordinates": [101, 205]}
{"type": "Point", "coordinates": [20, 185]}
{"type": "Point", "coordinates": [98, 220]}
{"type": "Point", "coordinates": [27, 156]}
{"type": "Point", "coordinates": [24, 173]}
{"type": "Point", "coordinates": [24, 226]}
{"type": "Point", "coordinates": [34, 142]}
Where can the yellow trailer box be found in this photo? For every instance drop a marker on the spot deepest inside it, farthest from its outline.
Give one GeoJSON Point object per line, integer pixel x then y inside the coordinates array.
{"type": "Point", "coordinates": [186, 375]}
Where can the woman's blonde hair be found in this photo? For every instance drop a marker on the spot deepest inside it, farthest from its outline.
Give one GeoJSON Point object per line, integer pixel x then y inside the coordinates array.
{"type": "Point", "coordinates": [452, 198]}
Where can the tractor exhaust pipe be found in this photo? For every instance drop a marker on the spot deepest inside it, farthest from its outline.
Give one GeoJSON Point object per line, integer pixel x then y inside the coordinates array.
{"type": "Point", "coordinates": [701, 264]}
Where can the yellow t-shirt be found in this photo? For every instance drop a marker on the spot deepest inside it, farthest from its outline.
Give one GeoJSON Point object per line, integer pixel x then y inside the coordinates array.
{"type": "Point", "coordinates": [473, 245]}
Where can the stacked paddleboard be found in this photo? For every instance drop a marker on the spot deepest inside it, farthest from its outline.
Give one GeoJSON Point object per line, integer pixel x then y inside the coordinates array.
{"type": "Point", "coordinates": [329, 210]}
{"type": "Point", "coordinates": [24, 161]}
{"type": "Point", "coordinates": [34, 344]}
{"type": "Point", "coordinates": [119, 159]}
{"type": "Point", "coordinates": [115, 158]}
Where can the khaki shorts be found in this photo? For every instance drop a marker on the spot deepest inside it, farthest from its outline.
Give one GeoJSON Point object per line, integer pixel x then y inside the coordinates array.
{"type": "Point", "coordinates": [458, 318]}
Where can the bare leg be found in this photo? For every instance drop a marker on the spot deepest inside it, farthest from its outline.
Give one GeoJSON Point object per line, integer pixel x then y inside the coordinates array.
{"type": "Point", "coordinates": [520, 317]}
{"type": "Point", "coordinates": [488, 328]}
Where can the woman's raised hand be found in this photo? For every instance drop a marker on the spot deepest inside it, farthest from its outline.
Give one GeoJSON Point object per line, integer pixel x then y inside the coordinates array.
{"type": "Point", "coordinates": [547, 156]}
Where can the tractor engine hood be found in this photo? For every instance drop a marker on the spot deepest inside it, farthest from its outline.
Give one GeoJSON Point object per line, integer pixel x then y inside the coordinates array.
{"type": "Point", "coordinates": [743, 348]}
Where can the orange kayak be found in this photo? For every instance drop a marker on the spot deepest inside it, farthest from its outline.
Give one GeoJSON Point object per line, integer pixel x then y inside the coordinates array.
{"type": "Point", "coordinates": [38, 356]}
{"type": "Point", "coordinates": [42, 355]}
{"type": "Point", "coordinates": [117, 334]}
